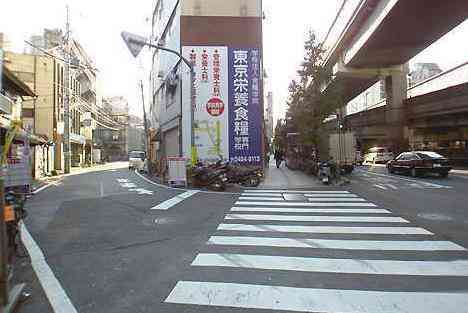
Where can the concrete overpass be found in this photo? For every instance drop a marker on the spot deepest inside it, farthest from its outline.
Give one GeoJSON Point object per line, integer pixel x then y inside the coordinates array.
{"type": "Point", "coordinates": [373, 38]}
{"type": "Point", "coordinates": [434, 115]}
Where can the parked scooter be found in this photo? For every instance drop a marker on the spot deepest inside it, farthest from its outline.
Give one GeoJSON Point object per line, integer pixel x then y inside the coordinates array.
{"type": "Point", "coordinates": [210, 177]}
{"type": "Point", "coordinates": [324, 172]}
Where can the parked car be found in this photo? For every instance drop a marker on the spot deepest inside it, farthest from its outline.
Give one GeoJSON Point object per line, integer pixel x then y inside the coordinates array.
{"type": "Point", "coordinates": [418, 163]}
{"type": "Point", "coordinates": [136, 160]}
{"type": "Point", "coordinates": [378, 154]}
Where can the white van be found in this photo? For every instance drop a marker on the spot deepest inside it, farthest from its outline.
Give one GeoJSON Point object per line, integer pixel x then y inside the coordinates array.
{"type": "Point", "coordinates": [378, 155]}
{"type": "Point", "coordinates": [136, 160]}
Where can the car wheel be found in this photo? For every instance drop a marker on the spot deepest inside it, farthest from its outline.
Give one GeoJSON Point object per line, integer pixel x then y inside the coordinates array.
{"type": "Point", "coordinates": [444, 174]}
{"type": "Point", "coordinates": [390, 170]}
{"type": "Point", "coordinates": [413, 172]}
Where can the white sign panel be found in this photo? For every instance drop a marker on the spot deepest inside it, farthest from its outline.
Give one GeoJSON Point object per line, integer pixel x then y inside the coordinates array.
{"type": "Point", "coordinates": [211, 101]}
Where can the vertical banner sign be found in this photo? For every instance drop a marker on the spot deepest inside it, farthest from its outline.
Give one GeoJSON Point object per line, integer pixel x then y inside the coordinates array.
{"type": "Point", "coordinates": [211, 100]}
{"type": "Point", "coordinates": [245, 112]}
{"type": "Point", "coordinates": [227, 101]}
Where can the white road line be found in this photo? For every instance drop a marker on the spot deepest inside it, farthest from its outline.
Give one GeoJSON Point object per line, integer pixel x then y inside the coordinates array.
{"type": "Point", "coordinates": [295, 191]}
{"type": "Point", "coordinates": [377, 245]}
{"type": "Point", "coordinates": [407, 179]}
{"type": "Point", "coordinates": [306, 218]}
{"type": "Point", "coordinates": [263, 194]}
{"type": "Point", "coordinates": [166, 205]}
{"type": "Point", "coordinates": [392, 186]}
{"type": "Point", "coordinates": [55, 293]}
{"type": "Point", "coordinates": [308, 204]}
{"type": "Point", "coordinates": [380, 187]}
{"type": "Point", "coordinates": [101, 189]}
{"type": "Point", "coordinates": [314, 300]}
{"type": "Point", "coordinates": [262, 198]}
{"type": "Point", "coordinates": [41, 188]}
{"type": "Point", "coordinates": [319, 195]}
{"type": "Point", "coordinates": [297, 210]}
{"type": "Point", "coordinates": [338, 199]}
{"type": "Point", "coordinates": [456, 268]}
{"type": "Point", "coordinates": [326, 229]}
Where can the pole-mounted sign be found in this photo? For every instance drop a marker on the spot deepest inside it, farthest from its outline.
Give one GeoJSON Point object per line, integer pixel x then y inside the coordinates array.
{"type": "Point", "coordinates": [135, 43]}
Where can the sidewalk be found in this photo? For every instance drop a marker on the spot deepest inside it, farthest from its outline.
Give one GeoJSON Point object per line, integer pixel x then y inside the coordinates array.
{"type": "Point", "coordinates": [38, 183]}
{"type": "Point", "coordinates": [286, 178]}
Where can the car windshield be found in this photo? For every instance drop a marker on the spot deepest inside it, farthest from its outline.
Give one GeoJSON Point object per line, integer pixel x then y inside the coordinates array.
{"type": "Point", "coordinates": [429, 155]}
{"type": "Point", "coordinates": [137, 155]}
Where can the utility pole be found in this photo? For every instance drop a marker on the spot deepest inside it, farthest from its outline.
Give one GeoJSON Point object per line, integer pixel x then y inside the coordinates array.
{"type": "Point", "coordinates": [145, 123]}
{"type": "Point", "coordinates": [66, 100]}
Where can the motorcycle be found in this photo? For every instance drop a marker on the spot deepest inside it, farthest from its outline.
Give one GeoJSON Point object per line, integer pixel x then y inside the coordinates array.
{"type": "Point", "coordinates": [210, 177]}
{"type": "Point", "coordinates": [244, 176]}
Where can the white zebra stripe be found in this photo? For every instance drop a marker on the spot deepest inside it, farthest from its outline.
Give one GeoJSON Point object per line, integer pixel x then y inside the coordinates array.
{"type": "Point", "coordinates": [314, 300]}
{"type": "Point", "coordinates": [308, 204]}
{"type": "Point", "coordinates": [309, 210]}
{"type": "Point", "coordinates": [306, 218]}
{"type": "Point", "coordinates": [377, 245]}
{"type": "Point", "coordinates": [458, 268]}
{"type": "Point", "coordinates": [294, 191]}
{"type": "Point", "coordinates": [337, 199]}
{"type": "Point", "coordinates": [262, 198]}
{"type": "Point", "coordinates": [326, 229]}
{"type": "Point", "coordinates": [263, 194]}
{"type": "Point", "coordinates": [319, 195]}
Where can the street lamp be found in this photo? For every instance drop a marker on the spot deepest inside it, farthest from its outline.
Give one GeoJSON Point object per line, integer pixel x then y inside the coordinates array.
{"type": "Point", "coordinates": [135, 44]}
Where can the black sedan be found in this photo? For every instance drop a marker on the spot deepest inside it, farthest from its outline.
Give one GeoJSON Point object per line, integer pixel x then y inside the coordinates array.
{"type": "Point", "coordinates": [419, 163]}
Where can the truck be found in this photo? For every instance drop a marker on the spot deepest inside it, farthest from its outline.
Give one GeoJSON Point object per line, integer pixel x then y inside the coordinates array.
{"type": "Point", "coordinates": [342, 148]}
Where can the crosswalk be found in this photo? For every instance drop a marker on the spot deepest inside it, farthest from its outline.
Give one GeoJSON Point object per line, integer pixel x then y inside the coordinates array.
{"type": "Point", "coordinates": [322, 252]}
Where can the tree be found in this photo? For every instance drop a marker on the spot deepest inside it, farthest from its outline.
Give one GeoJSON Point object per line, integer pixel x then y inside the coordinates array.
{"type": "Point", "coordinates": [279, 141]}
{"type": "Point", "coordinates": [308, 107]}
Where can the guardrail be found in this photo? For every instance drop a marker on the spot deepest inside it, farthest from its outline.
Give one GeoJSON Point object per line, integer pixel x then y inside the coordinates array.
{"type": "Point", "coordinates": [343, 19]}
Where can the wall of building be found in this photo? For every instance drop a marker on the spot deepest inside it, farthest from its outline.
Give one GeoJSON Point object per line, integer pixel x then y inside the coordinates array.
{"type": "Point", "coordinates": [38, 73]}
{"type": "Point", "coordinates": [227, 8]}
{"type": "Point", "coordinates": [178, 24]}
{"type": "Point", "coordinates": [165, 108]}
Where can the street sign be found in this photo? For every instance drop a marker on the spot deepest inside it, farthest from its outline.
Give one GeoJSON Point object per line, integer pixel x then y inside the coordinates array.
{"type": "Point", "coordinates": [135, 43]}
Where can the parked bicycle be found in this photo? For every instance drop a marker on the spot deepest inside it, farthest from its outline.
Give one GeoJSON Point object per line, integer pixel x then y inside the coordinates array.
{"type": "Point", "coordinates": [15, 213]}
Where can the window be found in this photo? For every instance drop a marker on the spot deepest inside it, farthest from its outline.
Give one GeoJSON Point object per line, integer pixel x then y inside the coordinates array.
{"type": "Point", "coordinates": [401, 157]}
{"type": "Point", "coordinates": [411, 156]}
{"type": "Point", "coordinates": [429, 155]}
{"type": "Point", "coordinates": [137, 155]}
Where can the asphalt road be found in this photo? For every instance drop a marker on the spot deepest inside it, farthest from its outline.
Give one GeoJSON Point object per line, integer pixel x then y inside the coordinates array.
{"type": "Point", "coordinates": [381, 244]}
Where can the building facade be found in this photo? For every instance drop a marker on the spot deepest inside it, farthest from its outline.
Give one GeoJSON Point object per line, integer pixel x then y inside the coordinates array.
{"type": "Point", "coordinates": [135, 134]}
{"type": "Point", "coordinates": [113, 141]}
{"type": "Point", "coordinates": [223, 42]}
{"type": "Point", "coordinates": [44, 115]}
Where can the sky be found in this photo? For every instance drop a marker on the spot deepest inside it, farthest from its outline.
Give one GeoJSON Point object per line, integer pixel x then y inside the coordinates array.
{"type": "Point", "coordinates": [97, 25]}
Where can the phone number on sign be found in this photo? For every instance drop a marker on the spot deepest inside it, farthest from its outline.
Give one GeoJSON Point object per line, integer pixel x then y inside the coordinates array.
{"type": "Point", "coordinates": [246, 159]}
